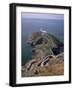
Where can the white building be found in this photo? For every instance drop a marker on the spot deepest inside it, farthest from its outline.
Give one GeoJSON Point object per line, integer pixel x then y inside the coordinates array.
{"type": "Point", "coordinates": [43, 32]}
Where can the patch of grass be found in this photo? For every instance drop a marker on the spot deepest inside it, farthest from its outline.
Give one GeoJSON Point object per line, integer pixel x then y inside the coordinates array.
{"type": "Point", "coordinates": [35, 35]}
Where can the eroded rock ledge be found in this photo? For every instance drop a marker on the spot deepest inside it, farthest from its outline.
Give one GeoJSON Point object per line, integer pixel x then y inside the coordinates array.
{"type": "Point", "coordinates": [50, 65]}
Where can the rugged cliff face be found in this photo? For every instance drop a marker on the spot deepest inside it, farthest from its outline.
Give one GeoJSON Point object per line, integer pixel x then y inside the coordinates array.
{"type": "Point", "coordinates": [47, 42]}
{"type": "Point", "coordinates": [48, 58]}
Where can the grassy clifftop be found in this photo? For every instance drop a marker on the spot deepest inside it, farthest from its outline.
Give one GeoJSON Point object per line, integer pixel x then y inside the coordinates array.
{"type": "Point", "coordinates": [44, 41]}
{"type": "Point", "coordinates": [51, 39]}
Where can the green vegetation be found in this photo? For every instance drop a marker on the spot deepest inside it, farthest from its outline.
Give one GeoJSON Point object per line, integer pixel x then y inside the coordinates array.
{"type": "Point", "coordinates": [35, 35]}
{"type": "Point", "coordinates": [51, 41]}
{"type": "Point", "coordinates": [55, 40]}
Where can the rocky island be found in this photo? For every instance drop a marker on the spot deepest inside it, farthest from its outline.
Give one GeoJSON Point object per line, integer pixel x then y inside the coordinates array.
{"type": "Point", "coordinates": [47, 58]}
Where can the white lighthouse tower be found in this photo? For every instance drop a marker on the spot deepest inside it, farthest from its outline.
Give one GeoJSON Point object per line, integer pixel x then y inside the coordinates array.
{"type": "Point", "coordinates": [43, 31]}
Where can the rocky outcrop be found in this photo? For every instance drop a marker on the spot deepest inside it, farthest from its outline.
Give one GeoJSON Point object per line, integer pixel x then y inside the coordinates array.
{"type": "Point", "coordinates": [34, 67]}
